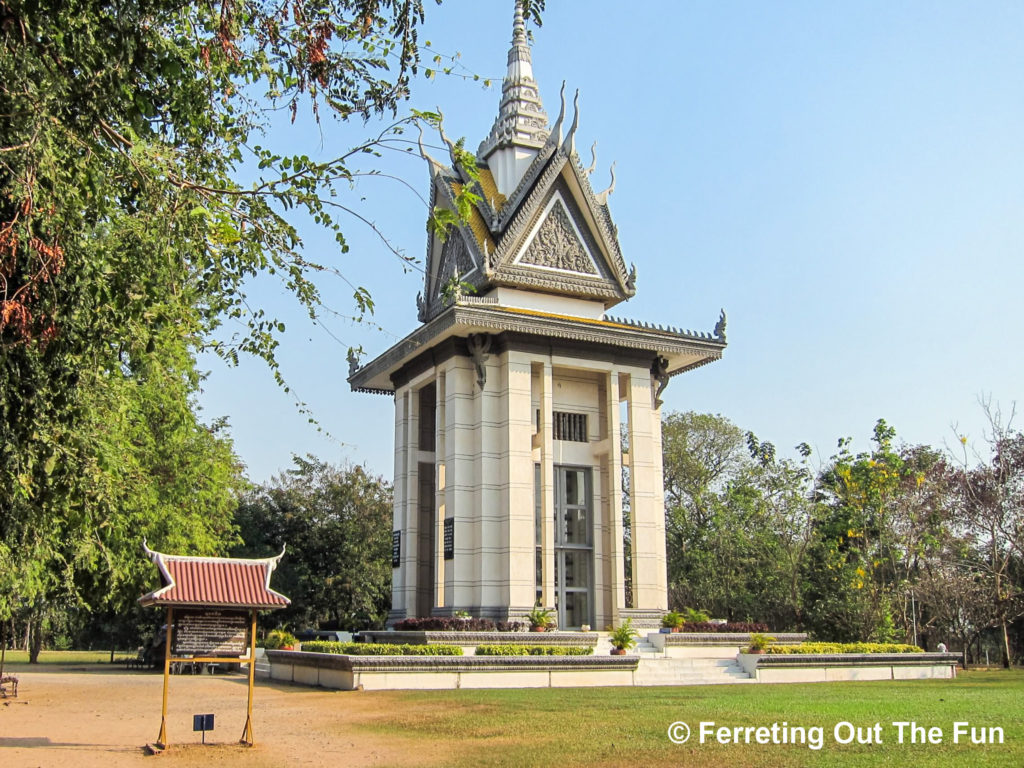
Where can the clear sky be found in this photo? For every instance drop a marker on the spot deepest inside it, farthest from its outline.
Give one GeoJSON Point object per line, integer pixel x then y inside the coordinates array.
{"type": "Point", "coordinates": [846, 179]}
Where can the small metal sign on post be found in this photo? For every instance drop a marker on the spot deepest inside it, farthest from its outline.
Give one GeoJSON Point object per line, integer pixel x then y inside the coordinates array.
{"type": "Point", "coordinates": [215, 622]}
{"type": "Point", "coordinates": [202, 723]}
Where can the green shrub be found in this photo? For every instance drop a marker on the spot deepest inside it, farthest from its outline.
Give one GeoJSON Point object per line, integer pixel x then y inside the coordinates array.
{"type": "Point", "coordinates": [759, 642]}
{"type": "Point", "coordinates": [693, 616]}
{"type": "Point", "coordinates": [673, 620]}
{"type": "Point", "coordinates": [279, 638]}
{"type": "Point", "coordinates": [845, 648]}
{"type": "Point", "coordinates": [533, 650]}
{"type": "Point", "coordinates": [380, 649]}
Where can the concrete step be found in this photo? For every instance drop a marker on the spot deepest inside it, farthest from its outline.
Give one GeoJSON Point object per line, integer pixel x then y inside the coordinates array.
{"type": "Point", "coordinates": [674, 671]}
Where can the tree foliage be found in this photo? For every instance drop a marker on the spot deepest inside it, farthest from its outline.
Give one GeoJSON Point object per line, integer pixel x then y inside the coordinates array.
{"type": "Point", "coordinates": [893, 543]}
{"type": "Point", "coordinates": [336, 527]}
{"type": "Point", "coordinates": [136, 202]}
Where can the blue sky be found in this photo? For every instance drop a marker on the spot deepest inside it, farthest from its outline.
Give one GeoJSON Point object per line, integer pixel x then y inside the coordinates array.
{"type": "Point", "coordinates": [845, 179]}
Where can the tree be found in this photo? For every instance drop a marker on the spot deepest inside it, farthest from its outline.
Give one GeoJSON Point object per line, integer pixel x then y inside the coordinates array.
{"type": "Point", "coordinates": [336, 527]}
{"type": "Point", "coordinates": [728, 522]}
{"type": "Point", "coordinates": [788, 494]}
{"type": "Point", "coordinates": [991, 515]}
{"type": "Point", "coordinates": [128, 236]}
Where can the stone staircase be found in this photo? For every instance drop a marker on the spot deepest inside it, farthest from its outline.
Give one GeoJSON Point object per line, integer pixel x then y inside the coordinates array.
{"type": "Point", "coordinates": [657, 668]}
{"type": "Point", "coordinates": [687, 671]}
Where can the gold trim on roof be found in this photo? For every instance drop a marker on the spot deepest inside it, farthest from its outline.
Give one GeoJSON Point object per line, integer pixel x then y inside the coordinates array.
{"type": "Point", "coordinates": [476, 223]}
{"type": "Point", "coordinates": [575, 319]}
{"type": "Point", "coordinates": [491, 194]}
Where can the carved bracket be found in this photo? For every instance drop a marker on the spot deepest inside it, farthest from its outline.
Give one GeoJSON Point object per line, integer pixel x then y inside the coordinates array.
{"type": "Point", "coordinates": [659, 372]}
{"type": "Point", "coordinates": [479, 344]}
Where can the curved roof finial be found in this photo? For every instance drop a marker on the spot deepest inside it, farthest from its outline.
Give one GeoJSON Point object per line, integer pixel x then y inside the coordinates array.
{"type": "Point", "coordinates": [593, 159]}
{"type": "Point", "coordinates": [556, 130]}
{"type": "Point", "coordinates": [446, 140]}
{"type": "Point", "coordinates": [570, 140]}
{"type": "Point", "coordinates": [275, 560]}
{"type": "Point", "coordinates": [602, 197]}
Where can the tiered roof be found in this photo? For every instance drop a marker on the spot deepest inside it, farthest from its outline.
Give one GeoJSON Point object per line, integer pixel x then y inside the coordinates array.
{"type": "Point", "coordinates": [225, 582]}
{"type": "Point", "coordinates": [537, 229]}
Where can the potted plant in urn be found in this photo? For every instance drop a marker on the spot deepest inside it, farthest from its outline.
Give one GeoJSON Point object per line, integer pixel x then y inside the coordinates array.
{"type": "Point", "coordinates": [539, 618]}
{"type": "Point", "coordinates": [759, 642]}
{"type": "Point", "coordinates": [280, 640]}
{"type": "Point", "coordinates": [623, 637]}
{"type": "Point", "coordinates": [672, 622]}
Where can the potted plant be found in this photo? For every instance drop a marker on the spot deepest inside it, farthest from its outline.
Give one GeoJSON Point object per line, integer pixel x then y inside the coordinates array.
{"type": "Point", "coordinates": [759, 642]}
{"type": "Point", "coordinates": [623, 637]}
{"type": "Point", "coordinates": [539, 618]}
{"type": "Point", "coordinates": [672, 622]}
{"type": "Point", "coordinates": [280, 640]}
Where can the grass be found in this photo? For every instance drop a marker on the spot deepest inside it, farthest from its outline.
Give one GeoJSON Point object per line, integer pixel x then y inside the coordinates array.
{"type": "Point", "coordinates": [63, 657]}
{"type": "Point", "coordinates": [628, 726]}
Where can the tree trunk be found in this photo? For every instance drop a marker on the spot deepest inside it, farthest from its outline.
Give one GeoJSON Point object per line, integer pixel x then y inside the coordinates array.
{"type": "Point", "coordinates": [1006, 643]}
{"type": "Point", "coordinates": [35, 624]}
{"type": "Point", "coordinates": [113, 650]}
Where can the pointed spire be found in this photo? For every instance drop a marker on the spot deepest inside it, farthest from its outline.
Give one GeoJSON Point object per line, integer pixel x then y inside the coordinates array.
{"type": "Point", "coordinates": [521, 120]}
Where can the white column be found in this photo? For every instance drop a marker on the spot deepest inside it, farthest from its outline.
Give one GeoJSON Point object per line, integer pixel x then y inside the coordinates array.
{"type": "Point", "coordinates": [618, 581]}
{"type": "Point", "coordinates": [439, 482]}
{"type": "Point", "coordinates": [547, 486]}
{"type": "Point", "coordinates": [518, 477]}
{"type": "Point", "coordinates": [646, 500]}
{"type": "Point", "coordinates": [410, 535]}
{"type": "Point", "coordinates": [398, 503]}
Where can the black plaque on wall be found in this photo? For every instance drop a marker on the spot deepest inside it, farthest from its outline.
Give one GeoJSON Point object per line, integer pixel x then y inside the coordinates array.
{"type": "Point", "coordinates": [449, 538]}
{"type": "Point", "coordinates": [396, 549]}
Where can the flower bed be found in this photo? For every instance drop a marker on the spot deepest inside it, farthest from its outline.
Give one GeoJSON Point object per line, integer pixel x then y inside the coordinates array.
{"type": "Point", "coordinates": [533, 650]}
{"type": "Point", "coordinates": [457, 624]}
{"type": "Point", "coordinates": [380, 649]}
{"type": "Point", "coordinates": [729, 626]}
{"type": "Point", "coordinates": [808, 648]}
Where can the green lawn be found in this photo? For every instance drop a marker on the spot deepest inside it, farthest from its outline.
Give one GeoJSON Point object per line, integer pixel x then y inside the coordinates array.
{"type": "Point", "coordinates": [628, 726]}
{"type": "Point", "coordinates": [63, 657]}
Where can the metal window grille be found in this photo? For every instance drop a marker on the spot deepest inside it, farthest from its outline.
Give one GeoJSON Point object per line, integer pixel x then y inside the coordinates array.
{"type": "Point", "coordinates": [570, 426]}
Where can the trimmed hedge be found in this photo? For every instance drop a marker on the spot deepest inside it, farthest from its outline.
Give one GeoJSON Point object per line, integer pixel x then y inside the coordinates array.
{"type": "Point", "coordinates": [731, 626]}
{"type": "Point", "coordinates": [533, 650]}
{"type": "Point", "coordinates": [455, 624]}
{"type": "Point", "coordinates": [845, 648]}
{"type": "Point", "coordinates": [380, 649]}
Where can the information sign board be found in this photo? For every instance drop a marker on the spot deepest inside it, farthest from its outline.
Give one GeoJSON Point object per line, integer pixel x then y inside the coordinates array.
{"type": "Point", "coordinates": [210, 632]}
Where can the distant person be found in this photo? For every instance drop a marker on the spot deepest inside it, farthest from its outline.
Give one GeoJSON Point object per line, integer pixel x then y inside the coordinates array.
{"type": "Point", "coordinates": [942, 647]}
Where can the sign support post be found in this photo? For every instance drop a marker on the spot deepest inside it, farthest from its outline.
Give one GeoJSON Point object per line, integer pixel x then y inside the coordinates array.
{"type": "Point", "coordinates": [247, 737]}
{"type": "Point", "coordinates": [161, 740]}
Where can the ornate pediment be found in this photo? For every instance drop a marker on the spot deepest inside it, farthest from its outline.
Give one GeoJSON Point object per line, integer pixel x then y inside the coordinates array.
{"type": "Point", "coordinates": [557, 243]}
{"type": "Point", "coordinates": [456, 261]}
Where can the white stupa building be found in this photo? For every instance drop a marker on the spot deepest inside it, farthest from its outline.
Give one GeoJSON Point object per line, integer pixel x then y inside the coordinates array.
{"type": "Point", "coordinates": [511, 401]}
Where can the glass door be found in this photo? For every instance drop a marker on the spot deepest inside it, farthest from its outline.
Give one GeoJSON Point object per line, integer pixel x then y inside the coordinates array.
{"type": "Point", "coordinates": [574, 547]}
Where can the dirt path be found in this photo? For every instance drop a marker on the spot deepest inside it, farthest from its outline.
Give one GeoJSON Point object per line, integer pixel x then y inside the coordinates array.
{"type": "Point", "coordinates": [102, 718]}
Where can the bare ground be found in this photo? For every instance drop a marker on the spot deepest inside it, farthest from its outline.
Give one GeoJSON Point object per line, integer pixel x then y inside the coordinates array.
{"type": "Point", "coordinates": [93, 717]}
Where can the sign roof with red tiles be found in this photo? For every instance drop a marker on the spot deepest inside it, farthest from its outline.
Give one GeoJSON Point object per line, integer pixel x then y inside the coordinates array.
{"type": "Point", "coordinates": [214, 582]}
